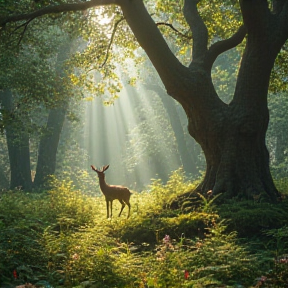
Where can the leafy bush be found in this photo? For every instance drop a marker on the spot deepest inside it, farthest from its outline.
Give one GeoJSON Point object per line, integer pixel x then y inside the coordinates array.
{"type": "Point", "coordinates": [69, 208]}
{"type": "Point", "coordinates": [21, 228]}
{"type": "Point", "coordinates": [250, 218]}
{"type": "Point", "coordinates": [63, 237]}
{"type": "Point", "coordinates": [216, 259]}
{"type": "Point", "coordinates": [86, 254]}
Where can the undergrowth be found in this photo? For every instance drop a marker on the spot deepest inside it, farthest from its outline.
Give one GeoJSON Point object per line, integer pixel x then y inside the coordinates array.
{"type": "Point", "coordinates": [62, 238]}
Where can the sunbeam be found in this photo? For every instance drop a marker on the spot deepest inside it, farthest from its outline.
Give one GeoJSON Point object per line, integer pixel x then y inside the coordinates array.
{"type": "Point", "coordinates": [134, 136]}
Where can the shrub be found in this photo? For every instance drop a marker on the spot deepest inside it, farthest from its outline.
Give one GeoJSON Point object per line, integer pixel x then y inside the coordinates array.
{"type": "Point", "coordinates": [215, 260]}
{"type": "Point", "coordinates": [250, 218]}
{"type": "Point", "coordinates": [83, 255]}
{"type": "Point", "coordinates": [21, 228]}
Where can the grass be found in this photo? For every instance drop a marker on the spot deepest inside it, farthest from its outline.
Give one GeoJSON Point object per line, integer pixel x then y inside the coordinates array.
{"type": "Point", "coordinates": [61, 238]}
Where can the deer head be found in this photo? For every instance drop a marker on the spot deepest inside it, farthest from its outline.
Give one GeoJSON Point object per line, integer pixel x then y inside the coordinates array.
{"type": "Point", "coordinates": [100, 172]}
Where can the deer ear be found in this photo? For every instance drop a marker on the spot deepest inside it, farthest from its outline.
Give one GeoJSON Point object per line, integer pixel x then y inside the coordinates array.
{"type": "Point", "coordinates": [105, 167]}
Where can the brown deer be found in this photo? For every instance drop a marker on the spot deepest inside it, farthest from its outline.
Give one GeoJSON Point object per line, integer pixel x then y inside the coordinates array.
{"type": "Point", "coordinates": [112, 192]}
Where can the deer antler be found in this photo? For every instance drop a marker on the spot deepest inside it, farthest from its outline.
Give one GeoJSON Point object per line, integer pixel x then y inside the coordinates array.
{"type": "Point", "coordinates": [93, 168]}
{"type": "Point", "coordinates": [105, 168]}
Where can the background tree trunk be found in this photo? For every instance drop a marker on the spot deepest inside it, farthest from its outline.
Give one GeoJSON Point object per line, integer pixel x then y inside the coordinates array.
{"type": "Point", "coordinates": [46, 163]}
{"type": "Point", "coordinates": [49, 141]}
{"type": "Point", "coordinates": [18, 144]}
{"type": "Point", "coordinates": [188, 160]}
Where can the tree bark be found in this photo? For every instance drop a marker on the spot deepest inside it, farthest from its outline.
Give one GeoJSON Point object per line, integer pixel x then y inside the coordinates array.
{"type": "Point", "coordinates": [46, 163]}
{"type": "Point", "coordinates": [17, 139]}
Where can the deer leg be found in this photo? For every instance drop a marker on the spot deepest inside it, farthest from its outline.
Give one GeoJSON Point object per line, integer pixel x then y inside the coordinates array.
{"type": "Point", "coordinates": [111, 208]}
{"type": "Point", "coordinates": [129, 207]}
{"type": "Point", "coordinates": [107, 206]}
{"type": "Point", "coordinates": [123, 205]}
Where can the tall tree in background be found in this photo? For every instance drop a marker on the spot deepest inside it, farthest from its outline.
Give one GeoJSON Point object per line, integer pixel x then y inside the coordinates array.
{"type": "Point", "coordinates": [188, 160]}
{"type": "Point", "coordinates": [17, 139]}
{"type": "Point", "coordinates": [232, 135]}
{"type": "Point", "coordinates": [46, 163]}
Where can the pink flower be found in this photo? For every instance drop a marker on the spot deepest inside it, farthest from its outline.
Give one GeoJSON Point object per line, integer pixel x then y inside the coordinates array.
{"type": "Point", "coordinates": [166, 239]}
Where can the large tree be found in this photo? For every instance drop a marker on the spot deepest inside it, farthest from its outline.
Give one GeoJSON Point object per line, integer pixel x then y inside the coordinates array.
{"type": "Point", "coordinates": [231, 135]}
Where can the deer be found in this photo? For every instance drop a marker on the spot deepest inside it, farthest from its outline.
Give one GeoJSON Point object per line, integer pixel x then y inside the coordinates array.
{"type": "Point", "coordinates": [113, 192]}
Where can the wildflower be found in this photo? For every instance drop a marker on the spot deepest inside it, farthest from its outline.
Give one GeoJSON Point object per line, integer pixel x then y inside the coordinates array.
{"type": "Point", "coordinates": [283, 260]}
{"type": "Point", "coordinates": [75, 256]}
{"type": "Point", "coordinates": [263, 278]}
{"type": "Point", "coordinates": [261, 281]}
{"type": "Point", "coordinates": [15, 274]}
{"type": "Point", "coordinates": [186, 274]}
{"type": "Point", "coordinates": [166, 239]}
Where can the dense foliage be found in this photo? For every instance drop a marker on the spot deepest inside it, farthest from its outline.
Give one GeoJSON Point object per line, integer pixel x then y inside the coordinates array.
{"type": "Point", "coordinates": [61, 238]}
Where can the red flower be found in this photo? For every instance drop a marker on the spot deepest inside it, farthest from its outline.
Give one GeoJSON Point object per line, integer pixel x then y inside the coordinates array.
{"type": "Point", "coordinates": [186, 274]}
{"type": "Point", "coordinates": [15, 274]}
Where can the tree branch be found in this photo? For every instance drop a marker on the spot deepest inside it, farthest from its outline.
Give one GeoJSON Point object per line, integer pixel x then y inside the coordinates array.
{"type": "Point", "coordinates": [56, 9]}
{"type": "Point", "coordinates": [255, 15]}
{"type": "Point", "coordinates": [198, 28]}
{"type": "Point", "coordinates": [174, 29]}
{"type": "Point", "coordinates": [24, 30]}
{"type": "Point", "coordinates": [111, 41]}
{"type": "Point", "coordinates": [151, 40]}
{"type": "Point", "coordinates": [220, 47]}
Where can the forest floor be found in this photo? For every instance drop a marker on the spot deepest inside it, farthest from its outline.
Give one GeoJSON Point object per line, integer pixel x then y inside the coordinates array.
{"type": "Point", "coordinates": [61, 238]}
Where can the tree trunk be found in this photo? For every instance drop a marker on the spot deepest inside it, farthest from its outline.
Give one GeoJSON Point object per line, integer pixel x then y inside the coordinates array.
{"type": "Point", "coordinates": [18, 145]}
{"type": "Point", "coordinates": [233, 136]}
{"type": "Point", "coordinates": [46, 163]}
{"type": "Point", "coordinates": [49, 141]}
{"type": "Point", "coordinates": [236, 156]}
